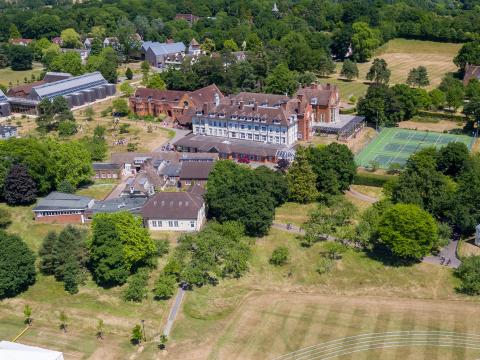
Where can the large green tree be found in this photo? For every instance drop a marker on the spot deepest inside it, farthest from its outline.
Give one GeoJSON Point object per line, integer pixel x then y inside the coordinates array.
{"type": "Point", "coordinates": [281, 81]}
{"type": "Point", "coordinates": [407, 231]}
{"type": "Point", "coordinates": [302, 181]}
{"type": "Point", "coordinates": [379, 72]}
{"type": "Point", "coordinates": [364, 41]}
{"type": "Point", "coordinates": [17, 265]}
{"type": "Point", "coordinates": [19, 188]}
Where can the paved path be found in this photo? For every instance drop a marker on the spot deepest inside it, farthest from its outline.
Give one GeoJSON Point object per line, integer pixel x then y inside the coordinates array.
{"type": "Point", "coordinates": [362, 197]}
{"type": "Point", "coordinates": [294, 229]}
{"type": "Point", "coordinates": [173, 311]}
{"type": "Point", "coordinates": [118, 189]}
{"type": "Point", "coordinates": [449, 252]}
{"type": "Point", "coordinates": [179, 133]}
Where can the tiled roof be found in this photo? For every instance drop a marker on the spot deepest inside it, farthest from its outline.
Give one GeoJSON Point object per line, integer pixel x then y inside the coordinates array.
{"type": "Point", "coordinates": [105, 166]}
{"type": "Point", "coordinates": [62, 201]}
{"type": "Point", "coordinates": [172, 96]}
{"type": "Point", "coordinates": [124, 203]}
{"type": "Point", "coordinates": [173, 156]}
{"type": "Point", "coordinates": [2, 96]}
{"type": "Point", "coordinates": [195, 170]}
{"type": "Point", "coordinates": [6, 129]}
{"type": "Point", "coordinates": [318, 94]}
{"type": "Point", "coordinates": [205, 94]}
{"type": "Point", "coordinates": [23, 90]}
{"type": "Point", "coordinates": [173, 206]}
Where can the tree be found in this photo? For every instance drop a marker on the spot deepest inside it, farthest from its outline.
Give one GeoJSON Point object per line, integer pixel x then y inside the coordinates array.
{"type": "Point", "coordinates": [137, 336]}
{"type": "Point", "coordinates": [47, 257]}
{"type": "Point", "coordinates": [281, 81]}
{"type": "Point", "coordinates": [469, 274]}
{"type": "Point", "coordinates": [437, 99]}
{"type": "Point", "coordinates": [69, 61]}
{"type": "Point", "coordinates": [5, 218]}
{"type": "Point", "coordinates": [127, 89]}
{"type": "Point", "coordinates": [72, 163]}
{"type": "Point", "coordinates": [380, 106]}
{"type": "Point", "coordinates": [27, 312]}
{"type": "Point", "coordinates": [106, 61]}
{"type": "Point", "coordinates": [302, 180]}
{"type": "Point", "coordinates": [63, 321]}
{"type": "Point", "coordinates": [17, 266]}
{"type": "Point", "coordinates": [129, 74]}
{"type": "Point", "coordinates": [165, 287]}
{"type": "Point", "coordinates": [67, 128]}
{"type": "Point", "coordinates": [208, 46]}
{"type": "Point", "coordinates": [453, 159]}
{"type": "Point", "coordinates": [155, 81]}
{"type": "Point", "coordinates": [120, 107]}
{"type": "Point", "coordinates": [349, 70]}
{"type": "Point", "coordinates": [334, 166]}
{"type": "Point", "coordinates": [468, 54]}
{"type": "Point", "coordinates": [145, 67]}
{"type": "Point", "coordinates": [418, 77]}
{"type": "Point", "coordinates": [364, 41]}
{"type": "Point", "coordinates": [20, 58]}
{"type": "Point", "coordinates": [49, 54]}
{"type": "Point", "coordinates": [407, 231]}
{"type": "Point", "coordinates": [454, 91]}
{"type": "Point", "coordinates": [136, 289]}
{"type": "Point", "coordinates": [19, 188]}
{"type": "Point", "coordinates": [279, 256]}
{"type": "Point", "coordinates": [379, 72]}
{"type": "Point", "coordinates": [472, 90]}
{"type": "Point", "coordinates": [13, 32]}
{"type": "Point", "coordinates": [230, 45]}
{"type": "Point", "coordinates": [70, 38]}
{"type": "Point", "coordinates": [163, 341]}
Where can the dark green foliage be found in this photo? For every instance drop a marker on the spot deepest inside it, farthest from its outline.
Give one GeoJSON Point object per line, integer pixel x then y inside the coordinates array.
{"type": "Point", "coordinates": [279, 256]}
{"type": "Point", "coordinates": [301, 179]}
{"type": "Point", "coordinates": [453, 159]}
{"type": "Point", "coordinates": [370, 179]}
{"type": "Point", "coordinates": [418, 77]}
{"type": "Point", "coordinates": [218, 251]}
{"type": "Point", "coordinates": [453, 90]}
{"type": "Point", "coordinates": [334, 167]}
{"type": "Point", "coordinates": [165, 287]}
{"type": "Point", "coordinates": [47, 258]}
{"type": "Point", "coordinates": [407, 231]}
{"type": "Point", "coordinates": [129, 74]}
{"type": "Point", "coordinates": [281, 81]}
{"type": "Point", "coordinates": [237, 193]}
{"type": "Point", "coordinates": [66, 187]}
{"type": "Point", "coordinates": [468, 54]}
{"type": "Point", "coordinates": [19, 188]}
{"type": "Point", "coordinates": [5, 218]}
{"type": "Point", "coordinates": [162, 246]}
{"type": "Point", "coordinates": [379, 106]}
{"type": "Point", "coordinates": [20, 58]}
{"type": "Point", "coordinates": [379, 72]}
{"type": "Point", "coordinates": [67, 128]}
{"type": "Point", "coordinates": [136, 289]}
{"type": "Point", "coordinates": [53, 113]}
{"type": "Point", "coordinates": [349, 70]}
{"type": "Point", "coordinates": [469, 273]}
{"type": "Point", "coordinates": [17, 265]}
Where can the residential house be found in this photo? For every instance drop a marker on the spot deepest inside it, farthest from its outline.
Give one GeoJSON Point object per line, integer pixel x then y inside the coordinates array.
{"type": "Point", "coordinates": [124, 203]}
{"type": "Point", "coordinates": [139, 186]}
{"type": "Point", "coordinates": [195, 173]}
{"type": "Point", "coordinates": [110, 41]}
{"type": "Point", "coordinates": [20, 41]}
{"type": "Point", "coordinates": [7, 132]}
{"type": "Point", "coordinates": [172, 103]}
{"type": "Point", "coordinates": [87, 44]}
{"type": "Point", "coordinates": [240, 55]}
{"type": "Point", "coordinates": [16, 351]}
{"type": "Point", "coordinates": [190, 18]}
{"type": "Point", "coordinates": [194, 48]}
{"type": "Point", "coordinates": [5, 109]}
{"type": "Point", "coordinates": [106, 171]}
{"type": "Point", "coordinates": [170, 174]}
{"type": "Point", "coordinates": [62, 208]}
{"type": "Point", "coordinates": [162, 55]}
{"type": "Point", "coordinates": [174, 211]}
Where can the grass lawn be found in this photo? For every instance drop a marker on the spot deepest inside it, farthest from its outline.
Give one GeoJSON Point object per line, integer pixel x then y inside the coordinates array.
{"type": "Point", "coordinates": [372, 191]}
{"type": "Point", "coordinates": [293, 213]}
{"type": "Point", "coordinates": [401, 56]}
{"type": "Point", "coordinates": [7, 75]}
{"type": "Point", "coordinates": [98, 190]}
{"type": "Point", "coordinates": [275, 310]}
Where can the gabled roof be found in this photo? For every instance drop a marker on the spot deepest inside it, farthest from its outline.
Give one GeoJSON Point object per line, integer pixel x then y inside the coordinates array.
{"type": "Point", "coordinates": [66, 86]}
{"type": "Point", "coordinates": [172, 96]}
{"type": "Point", "coordinates": [146, 45]}
{"type": "Point", "coordinates": [318, 94]}
{"type": "Point", "coordinates": [196, 170]}
{"type": "Point", "coordinates": [173, 206]}
{"type": "Point", "coordinates": [2, 96]}
{"type": "Point", "coordinates": [15, 351]}
{"type": "Point", "coordinates": [62, 201]}
{"type": "Point", "coordinates": [165, 48]}
{"type": "Point", "coordinates": [205, 94]}
{"type": "Point", "coordinates": [124, 203]}
{"type": "Point", "coordinates": [105, 166]}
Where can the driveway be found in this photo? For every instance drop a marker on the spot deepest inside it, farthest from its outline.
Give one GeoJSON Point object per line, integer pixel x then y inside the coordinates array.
{"type": "Point", "coordinates": [449, 252]}
{"type": "Point", "coordinates": [173, 311]}
{"type": "Point", "coordinates": [179, 134]}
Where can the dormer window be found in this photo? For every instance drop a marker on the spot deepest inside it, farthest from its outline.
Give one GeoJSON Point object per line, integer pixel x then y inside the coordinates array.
{"type": "Point", "coordinates": [234, 117]}
{"type": "Point", "coordinates": [264, 104]}
{"type": "Point", "coordinates": [221, 115]}
{"type": "Point", "coordinates": [199, 113]}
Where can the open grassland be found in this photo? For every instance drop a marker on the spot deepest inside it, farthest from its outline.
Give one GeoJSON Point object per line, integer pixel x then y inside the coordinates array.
{"type": "Point", "coordinates": [99, 190]}
{"type": "Point", "coordinates": [401, 56]}
{"type": "Point", "coordinates": [47, 298]}
{"type": "Point", "coordinates": [275, 310]}
{"type": "Point", "coordinates": [8, 76]}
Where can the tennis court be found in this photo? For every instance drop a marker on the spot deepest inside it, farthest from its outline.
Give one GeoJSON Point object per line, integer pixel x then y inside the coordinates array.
{"type": "Point", "coordinates": [395, 145]}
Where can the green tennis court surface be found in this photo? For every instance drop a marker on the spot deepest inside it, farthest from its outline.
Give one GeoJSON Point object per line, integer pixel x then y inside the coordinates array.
{"type": "Point", "coordinates": [395, 145]}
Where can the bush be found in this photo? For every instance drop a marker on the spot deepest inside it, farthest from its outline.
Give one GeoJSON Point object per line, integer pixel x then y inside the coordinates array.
{"type": "Point", "coordinates": [163, 246]}
{"type": "Point", "coordinates": [469, 273]}
{"type": "Point", "coordinates": [124, 128]}
{"type": "Point", "coordinates": [279, 256]}
{"type": "Point", "coordinates": [370, 179]}
{"type": "Point", "coordinates": [5, 218]}
{"type": "Point", "coordinates": [67, 128]}
{"type": "Point", "coordinates": [136, 289]}
{"type": "Point", "coordinates": [66, 187]}
{"type": "Point", "coordinates": [165, 287]}
{"type": "Point", "coordinates": [324, 265]}
{"type": "Point", "coordinates": [334, 250]}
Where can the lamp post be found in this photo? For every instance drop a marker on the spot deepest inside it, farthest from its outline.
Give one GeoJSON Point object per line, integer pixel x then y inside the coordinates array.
{"type": "Point", "coordinates": [143, 328]}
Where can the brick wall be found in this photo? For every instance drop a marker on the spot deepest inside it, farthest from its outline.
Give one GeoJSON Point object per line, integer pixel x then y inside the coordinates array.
{"type": "Point", "coordinates": [60, 219]}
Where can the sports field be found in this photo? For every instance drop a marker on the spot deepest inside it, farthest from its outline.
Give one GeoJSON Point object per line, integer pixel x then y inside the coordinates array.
{"type": "Point", "coordinates": [395, 145]}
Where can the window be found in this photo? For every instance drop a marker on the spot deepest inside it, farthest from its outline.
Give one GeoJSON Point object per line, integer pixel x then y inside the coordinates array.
{"type": "Point", "coordinates": [175, 223]}
{"type": "Point", "coordinates": [249, 136]}
{"type": "Point", "coordinates": [192, 223]}
{"type": "Point", "coordinates": [188, 182]}
{"type": "Point", "coordinates": [170, 223]}
{"type": "Point", "coordinates": [242, 135]}
{"type": "Point", "coordinates": [154, 223]}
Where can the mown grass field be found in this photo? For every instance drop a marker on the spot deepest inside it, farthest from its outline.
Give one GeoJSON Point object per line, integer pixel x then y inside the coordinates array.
{"type": "Point", "coordinates": [7, 75]}
{"type": "Point", "coordinates": [401, 56]}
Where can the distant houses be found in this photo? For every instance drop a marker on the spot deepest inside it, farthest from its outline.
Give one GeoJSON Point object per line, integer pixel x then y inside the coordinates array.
{"type": "Point", "coordinates": [7, 132]}
{"type": "Point", "coordinates": [162, 55]}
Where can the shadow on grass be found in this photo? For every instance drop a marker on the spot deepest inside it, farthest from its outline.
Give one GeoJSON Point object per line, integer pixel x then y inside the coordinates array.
{"type": "Point", "coordinates": [383, 255]}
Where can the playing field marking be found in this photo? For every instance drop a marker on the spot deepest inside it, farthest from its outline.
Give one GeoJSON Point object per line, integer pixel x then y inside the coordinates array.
{"type": "Point", "coordinates": [387, 339]}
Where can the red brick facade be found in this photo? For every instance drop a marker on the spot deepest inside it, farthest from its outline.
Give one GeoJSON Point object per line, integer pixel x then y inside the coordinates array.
{"type": "Point", "coordinates": [60, 219]}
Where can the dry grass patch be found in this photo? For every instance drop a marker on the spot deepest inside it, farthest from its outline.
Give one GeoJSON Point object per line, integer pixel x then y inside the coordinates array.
{"type": "Point", "coordinates": [7, 75]}
{"type": "Point", "coordinates": [439, 126]}
{"type": "Point", "coordinates": [294, 213]}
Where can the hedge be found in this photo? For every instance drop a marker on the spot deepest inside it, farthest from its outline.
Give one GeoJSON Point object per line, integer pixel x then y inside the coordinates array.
{"type": "Point", "coordinates": [441, 115]}
{"type": "Point", "coordinates": [371, 179]}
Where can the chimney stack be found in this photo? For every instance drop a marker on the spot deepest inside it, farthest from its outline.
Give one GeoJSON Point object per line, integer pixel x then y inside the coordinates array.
{"type": "Point", "coordinates": [255, 105]}
{"type": "Point", "coordinates": [240, 105]}
{"type": "Point", "coordinates": [205, 109]}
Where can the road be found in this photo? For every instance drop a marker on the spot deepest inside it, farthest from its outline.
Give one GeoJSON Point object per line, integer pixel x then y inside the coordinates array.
{"type": "Point", "coordinates": [361, 196]}
{"type": "Point", "coordinates": [449, 252]}
{"type": "Point", "coordinates": [173, 311]}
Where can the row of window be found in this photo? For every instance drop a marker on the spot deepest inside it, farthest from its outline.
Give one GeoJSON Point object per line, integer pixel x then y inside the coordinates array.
{"type": "Point", "coordinates": [241, 126]}
{"type": "Point", "coordinates": [247, 136]}
{"type": "Point", "coordinates": [171, 223]}
{"type": "Point", "coordinates": [57, 213]}
{"type": "Point", "coordinates": [106, 176]}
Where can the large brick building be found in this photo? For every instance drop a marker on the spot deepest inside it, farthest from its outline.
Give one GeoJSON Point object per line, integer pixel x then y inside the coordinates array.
{"type": "Point", "coordinates": [172, 103]}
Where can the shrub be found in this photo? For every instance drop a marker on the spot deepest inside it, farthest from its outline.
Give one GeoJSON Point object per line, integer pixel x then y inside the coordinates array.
{"type": "Point", "coordinates": [66, 187]}
{"type": "Point", "coordinates": [370, 179]}
{"type": "Point", "coordinates": [469, 273]}
{"type": "Point", "coordinates": [334, 250]}
{"type": "Point", "coordinates": [5, 218]}
{"type": "Point", "coordinates": [67, 128]}
{"type": "Point", "coordinates": [124, 128]}
{"type": "Point", "coordinates": [165, 287]}
{"type": "Point", "coordinates": [324, 265]}
{"type": "Point", "coordinates": [162, 246]}
{"type": "Point", "coordinates": [136, 289]}
{"type": "Point", "coordinates": [279, 256]}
